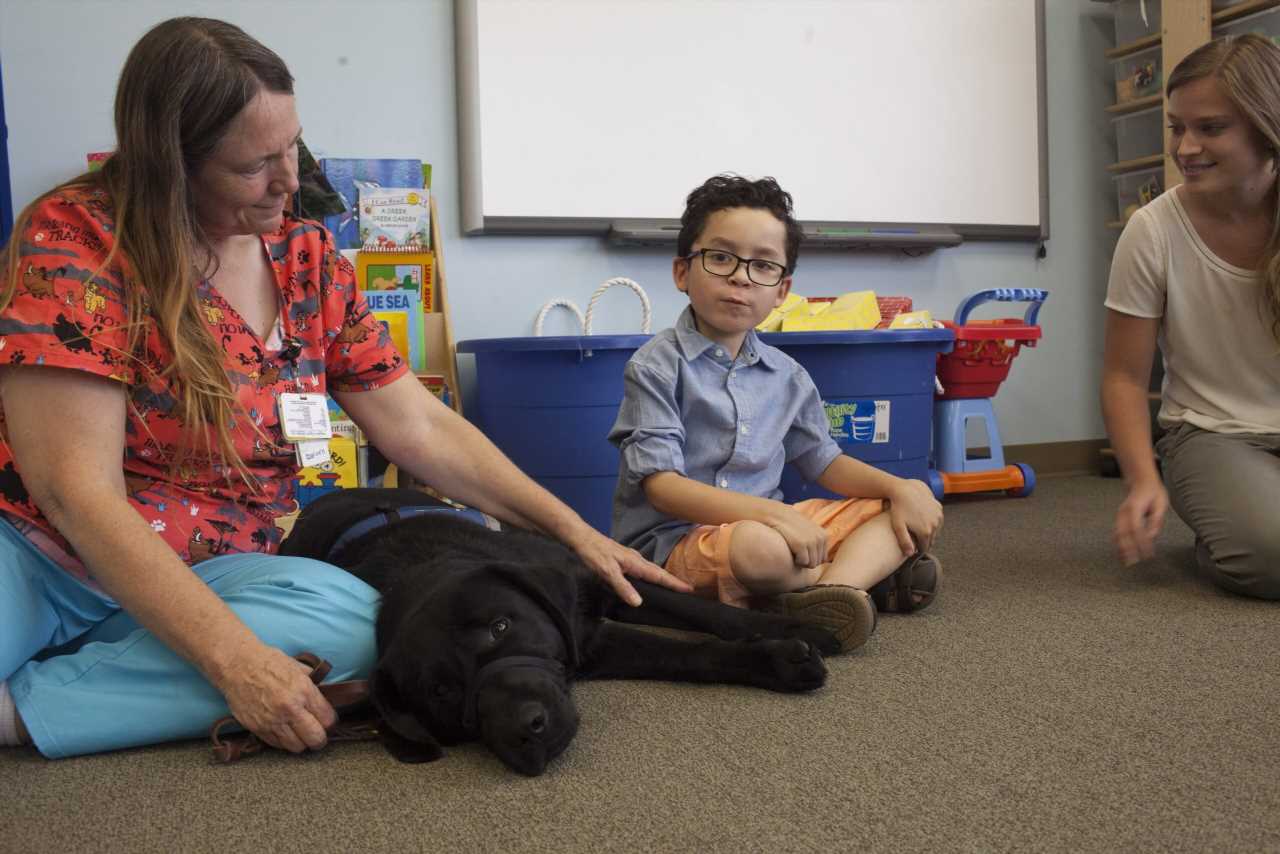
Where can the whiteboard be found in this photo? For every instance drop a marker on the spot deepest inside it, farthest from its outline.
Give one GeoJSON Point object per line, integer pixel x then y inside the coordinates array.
{"type": "Point", "coordinates": [574, 114]}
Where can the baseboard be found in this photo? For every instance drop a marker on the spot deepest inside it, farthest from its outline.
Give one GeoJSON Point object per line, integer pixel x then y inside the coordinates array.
{"type": "Point", "coordinates": [1080, 457]}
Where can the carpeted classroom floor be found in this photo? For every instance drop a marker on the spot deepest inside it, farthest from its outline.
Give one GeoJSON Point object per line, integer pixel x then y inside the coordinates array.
{"type": "Point", "coordinates": [1051, 700]}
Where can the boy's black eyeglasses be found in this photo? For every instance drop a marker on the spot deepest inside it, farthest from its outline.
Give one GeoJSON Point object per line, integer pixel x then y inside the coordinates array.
{"type": "Point", "coordinates": [718, 262]}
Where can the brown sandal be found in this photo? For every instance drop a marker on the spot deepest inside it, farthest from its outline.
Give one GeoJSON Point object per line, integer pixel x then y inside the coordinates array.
{"type": "Point", "coordinates": [846, 612]}
{"type": "Point", "coordinates": [910, 587]}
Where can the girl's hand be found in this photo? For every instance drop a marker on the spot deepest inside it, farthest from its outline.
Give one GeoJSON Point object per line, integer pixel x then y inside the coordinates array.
{"type": "Point", "coordinates": [914, 510]}
{"type": "Point", "coordinates": [1139, 520]}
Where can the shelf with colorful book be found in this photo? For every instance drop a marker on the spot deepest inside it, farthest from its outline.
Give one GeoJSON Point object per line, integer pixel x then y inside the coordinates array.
{"type": "Point", "coordinates": [404, 287]}
{"type": "Point", "coordinates": [383, 216]}
{"type": "Point", "coordinates": [386, 222]}
{"type": "Point", "coordinates": [385, 271]}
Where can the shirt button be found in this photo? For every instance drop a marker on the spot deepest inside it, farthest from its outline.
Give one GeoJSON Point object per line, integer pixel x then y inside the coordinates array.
{"type": "Point", "coordinates": [719, 352]}
{"type": "Point", "coordinates": [745, 429]}
{"type": "Point", "coordinates": [724, 483]}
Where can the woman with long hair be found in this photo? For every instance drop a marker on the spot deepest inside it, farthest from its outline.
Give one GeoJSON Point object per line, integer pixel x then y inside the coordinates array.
{"type": "Point", "coordinates": [159, 320]}
{"type": "Point", "coordinates": [1197, 271]}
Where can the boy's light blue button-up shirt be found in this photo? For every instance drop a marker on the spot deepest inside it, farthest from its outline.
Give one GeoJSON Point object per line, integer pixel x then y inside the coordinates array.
{"type": "Point", "coordinates": [691, 408]}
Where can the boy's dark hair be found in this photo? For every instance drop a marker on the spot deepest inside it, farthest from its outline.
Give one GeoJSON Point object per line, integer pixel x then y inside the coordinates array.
{"type": "Point", "coordinates": [734, 191]}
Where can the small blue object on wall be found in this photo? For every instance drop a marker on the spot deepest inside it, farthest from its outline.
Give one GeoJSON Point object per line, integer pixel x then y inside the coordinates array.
{"type": "Point", "coordinates": [6, 204]}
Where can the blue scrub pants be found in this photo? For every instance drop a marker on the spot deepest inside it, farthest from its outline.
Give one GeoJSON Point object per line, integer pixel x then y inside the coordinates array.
{"type": "Point", "coordinates": [85, 677]}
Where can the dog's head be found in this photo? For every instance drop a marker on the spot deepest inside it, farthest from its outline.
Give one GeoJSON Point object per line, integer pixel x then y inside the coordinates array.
{"type": "Point", "coordinates": [485, 654]}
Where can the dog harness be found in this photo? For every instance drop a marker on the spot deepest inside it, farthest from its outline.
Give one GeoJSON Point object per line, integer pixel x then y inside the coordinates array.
{"type": "Point", "coordinates": [499, 665]}
{"type": "Point", "coordinates": [385, 515]}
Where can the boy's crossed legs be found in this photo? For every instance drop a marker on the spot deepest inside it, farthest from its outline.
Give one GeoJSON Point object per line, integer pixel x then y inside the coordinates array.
{"type": "Point", "coordinates": [749, 564]}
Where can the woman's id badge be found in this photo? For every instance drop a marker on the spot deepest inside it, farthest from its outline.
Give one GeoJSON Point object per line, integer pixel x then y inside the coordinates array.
{"type": "Point", "coordinates": [304, 416]}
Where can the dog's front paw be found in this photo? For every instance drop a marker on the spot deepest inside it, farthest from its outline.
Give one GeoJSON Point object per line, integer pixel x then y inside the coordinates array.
{"type": "Point", "coordinates": [814, 634]}
{"type": "Point", "coordinates": [796, 665]}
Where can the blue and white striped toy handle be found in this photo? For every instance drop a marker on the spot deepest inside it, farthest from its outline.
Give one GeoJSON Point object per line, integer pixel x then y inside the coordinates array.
{"type": "Point", "coordinates": [1035, 296]}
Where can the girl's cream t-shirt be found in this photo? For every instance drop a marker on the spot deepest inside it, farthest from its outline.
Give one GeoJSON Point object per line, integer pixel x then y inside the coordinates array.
{"type": "Point", "coordinates": [1222, 363]}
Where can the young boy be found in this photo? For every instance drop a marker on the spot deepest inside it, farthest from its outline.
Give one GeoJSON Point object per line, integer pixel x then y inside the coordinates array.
{"type": "Point", "coordinates": [711, 414]}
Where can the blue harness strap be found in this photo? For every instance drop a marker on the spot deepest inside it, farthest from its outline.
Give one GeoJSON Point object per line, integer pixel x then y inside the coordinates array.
{"type": "Point", "coordinates": [387, 515]}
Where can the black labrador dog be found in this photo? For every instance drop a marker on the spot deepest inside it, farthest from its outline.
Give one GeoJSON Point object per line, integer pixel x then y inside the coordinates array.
{"type": "Point", "coordinates": [480, 632]}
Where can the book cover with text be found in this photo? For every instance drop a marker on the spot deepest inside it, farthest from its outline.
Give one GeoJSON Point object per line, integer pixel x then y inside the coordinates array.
{"type": "Point", "coordinates": [394, 218]}
{"type": "Point", "coordinates": [386, 271]}
{"type": "Point", "coordinates": [400, 313]}
{"type": "Point", "coordinates": [341, 472]}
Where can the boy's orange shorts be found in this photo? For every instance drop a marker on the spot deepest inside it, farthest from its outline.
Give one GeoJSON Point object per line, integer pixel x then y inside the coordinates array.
{"type": "Point", "coordinates": [702, 557]}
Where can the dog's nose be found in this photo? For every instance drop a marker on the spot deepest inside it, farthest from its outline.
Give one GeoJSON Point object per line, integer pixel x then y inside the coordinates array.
{"type": "Point", "coordinates": [534, 718]}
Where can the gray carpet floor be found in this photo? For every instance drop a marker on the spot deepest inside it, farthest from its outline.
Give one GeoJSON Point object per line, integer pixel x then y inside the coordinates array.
{"type": "Point", "coordinates": [1051, 700]}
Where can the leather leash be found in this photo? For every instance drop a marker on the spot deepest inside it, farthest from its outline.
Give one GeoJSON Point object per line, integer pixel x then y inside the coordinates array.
{"type": "Point", "coordinates": [343, 696]}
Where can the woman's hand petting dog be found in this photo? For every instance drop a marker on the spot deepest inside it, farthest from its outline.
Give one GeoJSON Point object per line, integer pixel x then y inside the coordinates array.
{"type": "Point", "coordinates": [272, 696]}
{"type": "Point", "coordinates": [613, 562]}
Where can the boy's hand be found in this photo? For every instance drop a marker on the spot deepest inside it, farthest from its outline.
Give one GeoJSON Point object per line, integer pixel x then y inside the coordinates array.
{"type": "Point", "coordinates": [806, 538]}
{"type": "Point", "coordinates": [914, 510]}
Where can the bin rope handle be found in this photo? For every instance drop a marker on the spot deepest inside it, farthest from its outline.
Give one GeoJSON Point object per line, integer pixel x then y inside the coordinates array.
{"type": "Point", "coordinates": [554, 303]}
{"type": "Point", "coordinates": [647, 312]}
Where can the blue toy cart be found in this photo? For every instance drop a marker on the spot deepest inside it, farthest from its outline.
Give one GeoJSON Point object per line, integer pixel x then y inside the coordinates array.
{"type": "Point", "coordinates": [970, 375]}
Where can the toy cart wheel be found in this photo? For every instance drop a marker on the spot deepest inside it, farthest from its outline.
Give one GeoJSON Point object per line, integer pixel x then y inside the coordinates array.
{"type": "Point", "coordinates": [935, 483]}
{"type": "Point", "coordinates": [1028, 482]}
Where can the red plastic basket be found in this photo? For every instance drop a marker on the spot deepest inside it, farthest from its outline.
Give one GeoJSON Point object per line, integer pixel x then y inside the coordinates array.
{"type": "Point", "coordinates": [983, 353]}
{"type": "Point", "coordinates": [891, 307]}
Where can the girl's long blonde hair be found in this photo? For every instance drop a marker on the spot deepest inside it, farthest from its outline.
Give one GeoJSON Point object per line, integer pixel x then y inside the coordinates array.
{"type": "Point", "coordinates": [182, 85]}
{"type": "Point", "coordinates": [1248, 68]}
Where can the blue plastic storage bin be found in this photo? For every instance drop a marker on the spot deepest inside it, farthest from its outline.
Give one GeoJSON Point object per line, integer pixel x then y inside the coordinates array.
{"type": "Point", "coordinates": [877, 386]}
{"type": "Point", "coordinates": [548, 403]}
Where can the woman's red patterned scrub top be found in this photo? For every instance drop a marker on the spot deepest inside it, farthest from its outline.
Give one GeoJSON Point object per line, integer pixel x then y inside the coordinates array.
{"type": "Point", "coordinates": [68, 313]}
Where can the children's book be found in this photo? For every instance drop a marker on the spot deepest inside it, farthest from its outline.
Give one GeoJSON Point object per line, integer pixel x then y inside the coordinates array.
{"type": "Point", "coordinates": [342, 471]}
{"type": "Point", "coordinates": [346, 175]}
{"type": "Point", "coordinates": [341, 424]}
{"type": "Point", "coordinates": [429, 301]}
{"type": "Point", "coordinates": [385, 271]}
{"type": "Point", "coordinates": [394, 218]}
{"type": "Point", "coordinates": [95, 159]}
{"type": "Point", "coordinates": [437, 385]}
{"type": "Point", "coordinates": [400, 313]}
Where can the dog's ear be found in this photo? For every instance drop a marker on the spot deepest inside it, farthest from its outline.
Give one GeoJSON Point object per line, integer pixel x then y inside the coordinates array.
{"type": "Point", "coordinates": [555, 589]}
{"type": "Point", "coordinates": [402, 733]}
